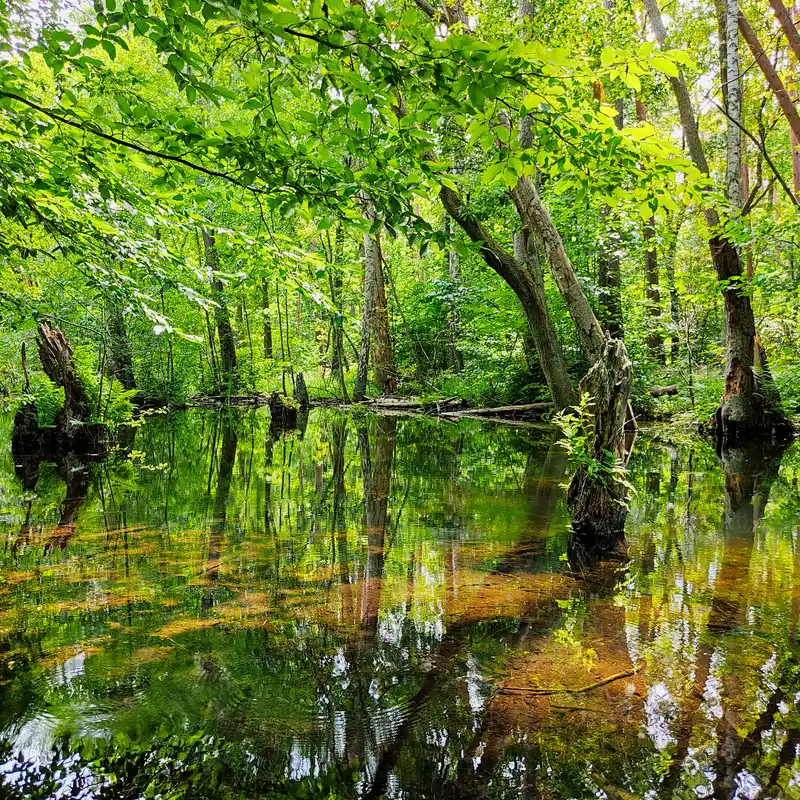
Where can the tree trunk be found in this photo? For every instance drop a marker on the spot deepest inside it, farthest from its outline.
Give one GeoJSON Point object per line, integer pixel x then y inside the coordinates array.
{"type": "Point", "coordinates": [609, 278]}
{"type": "Point", "coordinates": [227, 343]}
{"type": "Point", "coordinates": [382, 355]}
{"type": "Point", "coordinates": [121, 366]}
{"type": "Point", "coordinates": [338, 360]}
{"type": "Point", "coordinates": [596, 503]}
{"type": "Point", "coordinates": [655, 342]}
{"type": "Point", "coordinates": [674, 302]}
{"type": "Point", "coordinates": [771, 75]}
{"type": "Point", "coordinates": [527, 282]}
{"type": "Point", "coordinates": [370, 257]}
{"type": "Point", "coordinates": [73, 431]}
{"type": "Point", "coordinates": [733, 107]}
{"type": "Point", "coordinates": [745, 409]}
{"type": "Point", "coordinates": [267, 318]}
{"type": "Point", "coordinates": [609, 281]}
{"type": "Point", "coordinates": [58, 363]}
{"type": "Point", "coordinates": [455, 358]}
{"type": "Point", "coordinates": [785, 19]}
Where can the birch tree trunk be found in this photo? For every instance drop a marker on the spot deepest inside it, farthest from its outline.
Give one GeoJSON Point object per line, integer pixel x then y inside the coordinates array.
{"type": "Point", "coordinates": [733, 162]}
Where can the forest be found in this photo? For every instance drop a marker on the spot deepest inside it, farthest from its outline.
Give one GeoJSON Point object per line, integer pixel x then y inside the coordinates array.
{"type": "Point", "coordinates": [228, 221]}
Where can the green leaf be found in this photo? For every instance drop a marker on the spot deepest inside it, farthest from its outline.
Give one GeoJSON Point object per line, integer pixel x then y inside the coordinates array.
{"type": "Point", "coordinates": [664, 65]}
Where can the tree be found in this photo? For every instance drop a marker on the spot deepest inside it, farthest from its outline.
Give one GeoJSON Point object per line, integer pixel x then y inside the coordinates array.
{"type": "Point", "coordinates": [749, 406]}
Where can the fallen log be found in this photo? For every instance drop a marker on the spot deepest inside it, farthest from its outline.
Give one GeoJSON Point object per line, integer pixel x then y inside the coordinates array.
{"type": "Point", "coordinates": [663, 391]}
{"type": "Point", "coordinates": [525, 411]}
{"type": "Point", "coordinates": [415, 404]}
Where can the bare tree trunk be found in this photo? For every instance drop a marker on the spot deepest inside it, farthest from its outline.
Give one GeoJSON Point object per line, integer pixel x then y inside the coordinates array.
{"type": "Point", "coordinates": [594, 502]}
{"type": "Point", "coordinates": [771, 75]}
{"type": "Point", "coordinates": [382, 355]}
{"type": "Point", "coordinates": [733, 163]}
{"type": "Point", "coordinates": [371, 256]}
{"type": "Point", "coordinates": [58, 363]}
{"type": "Point", "coordinates": [745, 409]}
{"type": "Point", "coordinates": [609, 277]}
{"type": "Point", "coordinates": [121, 366]}
{"type": "Point", "coordinates": [527, 281]}
{"type": "Point", "coordinates": [455, 358]}
{"type": "Point", "coordinates": [267, 318]}
{"type": "Point", "coordinates": [655, 341]}
{"type": "Point", "coordinates": [227, 343]}
{"type": "Point", "coordinates": [785, 19]}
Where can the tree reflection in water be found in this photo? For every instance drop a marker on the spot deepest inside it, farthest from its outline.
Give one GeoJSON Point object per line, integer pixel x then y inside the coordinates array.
{"type": "Point", "coordinates": [394, 607]}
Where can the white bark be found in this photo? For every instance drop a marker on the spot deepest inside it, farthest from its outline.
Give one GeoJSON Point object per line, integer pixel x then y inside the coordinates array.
{"type": "Point", "coordinates": [733, 170]}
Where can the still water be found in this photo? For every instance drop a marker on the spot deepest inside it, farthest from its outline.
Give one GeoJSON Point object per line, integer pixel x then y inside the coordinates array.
{"type": "Point", "coordinates": [391, 607]}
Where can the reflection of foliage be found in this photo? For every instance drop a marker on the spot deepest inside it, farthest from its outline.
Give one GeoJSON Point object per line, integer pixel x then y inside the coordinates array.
{"type": "Point", "coordinates": [165, 625]}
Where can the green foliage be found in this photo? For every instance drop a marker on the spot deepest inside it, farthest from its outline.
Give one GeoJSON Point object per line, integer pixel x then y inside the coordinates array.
{"type": "Point", "coordinates": [48, 397]}
{"type": "Point", "coordinates": [577, 428]}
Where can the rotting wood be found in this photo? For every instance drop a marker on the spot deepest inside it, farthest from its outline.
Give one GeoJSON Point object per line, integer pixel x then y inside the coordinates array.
{"type": "Point", "coordinates": [663, 391]}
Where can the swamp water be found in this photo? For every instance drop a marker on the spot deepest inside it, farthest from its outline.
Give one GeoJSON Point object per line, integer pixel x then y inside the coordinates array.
{"type": "Point", "coordinates": [391, 607]}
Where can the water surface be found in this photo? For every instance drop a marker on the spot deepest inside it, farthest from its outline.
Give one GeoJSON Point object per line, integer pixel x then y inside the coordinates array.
{"type": "Point", "coordinates": [392, 607]}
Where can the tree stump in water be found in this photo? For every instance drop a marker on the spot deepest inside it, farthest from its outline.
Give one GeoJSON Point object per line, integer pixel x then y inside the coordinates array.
{"type": "Point", "coordinates": [598, 502]}
{"type": "Point", "coordinates": [283, 414]}
{"type": "Point", "coordinates": [72, 432]}
{"type": "Point", "coordinates": [300, 391]}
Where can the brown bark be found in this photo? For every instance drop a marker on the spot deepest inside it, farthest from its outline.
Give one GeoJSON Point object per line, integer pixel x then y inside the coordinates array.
{"type": "Point", "coordinates": [227, 343]}
{"type": "Point", "coordinates": [121, 366]}
{"type": "Point", "coordinates": [785, 19]}
{"type": "Point", "coordinates": [744, 409]}
{"type": "Point", "coordinates": [267, 318]}
{"type": "Point", "coordinates": [527, 282]}
{"type": "Point", "coordinates": [595, 503]}
{"type": "Point", "coordinates": [58, 363]}
{"type": "Point", "coordinates": [771, 75]}
{"type": "Point", "coordinates": [382, 354]}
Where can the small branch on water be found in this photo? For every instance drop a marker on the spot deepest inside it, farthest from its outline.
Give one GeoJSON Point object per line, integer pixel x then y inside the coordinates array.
{"type": "Point", "coordinates": [529, 690]}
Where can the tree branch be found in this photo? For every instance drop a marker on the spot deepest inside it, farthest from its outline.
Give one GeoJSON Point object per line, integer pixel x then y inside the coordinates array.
{"type": "Point", "coordinates": [131, 145]}
{"type": "Point", "coordinates": [763, 151]}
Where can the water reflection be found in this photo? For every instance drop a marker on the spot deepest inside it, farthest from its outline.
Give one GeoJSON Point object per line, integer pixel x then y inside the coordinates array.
{"type": "Point", "coordinates": [390, 607]}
